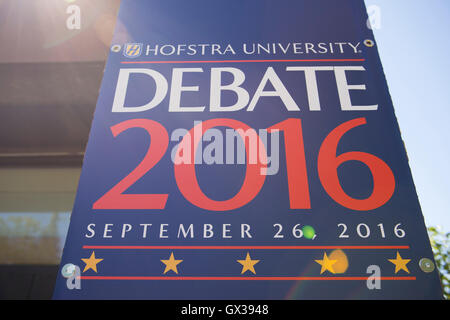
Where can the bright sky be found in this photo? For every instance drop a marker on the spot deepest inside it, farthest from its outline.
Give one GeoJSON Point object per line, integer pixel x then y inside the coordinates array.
{"type": "Point", "coordinates": [414, 47]}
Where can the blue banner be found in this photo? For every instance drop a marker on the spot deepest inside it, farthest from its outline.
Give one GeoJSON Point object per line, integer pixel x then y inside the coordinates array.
{"type": "Point", "coordinates": [245, 150]}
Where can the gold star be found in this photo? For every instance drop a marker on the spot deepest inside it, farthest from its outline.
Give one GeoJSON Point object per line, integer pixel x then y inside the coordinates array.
{"type": "Point", "coordinates": [91, 263]}
{"type": "Point", "coordinates": [248, 264]}
{"type": "Point", "coordinates": [171, 264]}
{"type": "Point", "coordinates": [400, 263]}
{"type": "Point", "coordinates": [326, 264]}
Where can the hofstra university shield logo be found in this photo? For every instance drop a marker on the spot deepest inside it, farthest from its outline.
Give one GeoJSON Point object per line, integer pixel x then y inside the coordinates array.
{"type": "Point", "coordinates": [132, 50]}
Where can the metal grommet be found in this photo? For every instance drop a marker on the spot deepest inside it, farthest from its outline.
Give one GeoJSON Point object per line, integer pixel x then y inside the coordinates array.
{"type": "Point", "coordinates": [426, 265]}
{"type": "Point", "coordinates": [68, 270]}
{"type": "Point", "coordinates": [116, 48]}
{"type": "Point", "coordinates": [369, 43]}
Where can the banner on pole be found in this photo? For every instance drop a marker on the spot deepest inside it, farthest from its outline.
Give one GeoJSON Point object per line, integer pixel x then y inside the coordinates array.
{"type": "Point", "coordinates": [245, 150]}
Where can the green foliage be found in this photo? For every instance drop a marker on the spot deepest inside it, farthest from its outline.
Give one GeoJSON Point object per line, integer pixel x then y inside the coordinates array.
{"type": "Point", "coordinates": [440, 242]}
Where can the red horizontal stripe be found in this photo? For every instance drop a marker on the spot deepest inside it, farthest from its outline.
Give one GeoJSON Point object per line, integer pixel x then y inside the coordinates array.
{"type": "Point", "coordinates": [246, 247]}
{"type": "Point", "coordinates": [239, 278]}
{"type": "Point", "coordinates": [240, 61]}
